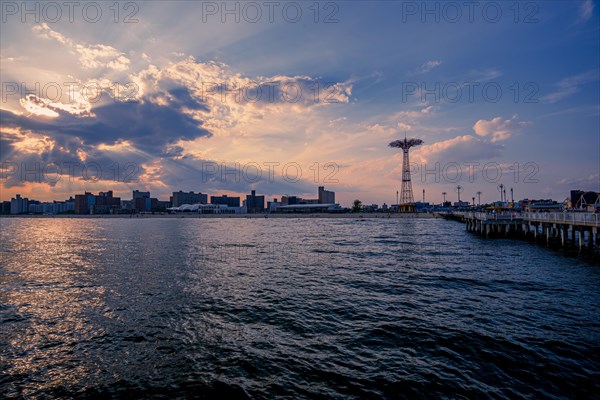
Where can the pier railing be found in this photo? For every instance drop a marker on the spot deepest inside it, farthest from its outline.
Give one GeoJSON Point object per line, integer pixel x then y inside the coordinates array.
{"type": "Point", "coordinates": [570, 218]}
{"type": "Point", "coordinates": [482, 216]}
{"type": "Point", "coordinates": [573, 218]}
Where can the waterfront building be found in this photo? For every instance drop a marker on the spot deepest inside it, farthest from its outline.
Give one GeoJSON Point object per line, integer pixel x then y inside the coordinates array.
{"type": "Point", "coordinates": [545, 205]}
{"type": "Point", "coordinates": [81, 206]}
{"type": "Point", "coordinates": [105, 203]}
{"type": "Point", "coordinates": [224, 199]}
{"type": "Point", "coordinates": [142, 204]}
{"type": "Point", "coordinates": [289, 200]}
{"type": "Point", "coordinates": [180, 198]}
{"type": "Point", "coordinates": [18, 204]}
{"type": "Point", "coordinates": [272, 205]}
{"type": "Point", "coordinates": [55, 207]}
{"type": "Point", "coordinates": [254, 203]}
{"type": "Point", "coordinates": [136, 194]}
{"type": "Point", "coordinates": [326, 196]}
{"type": "Point", "coordinates": [309, 208]}
{"type": "Point", "coordinates": [206, 209]}
{"type": "Point", "coordinates": [162, 205]}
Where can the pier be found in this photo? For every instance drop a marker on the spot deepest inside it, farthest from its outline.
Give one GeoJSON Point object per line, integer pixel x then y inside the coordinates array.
{"type": "Point", "coordinates": [566, 229]}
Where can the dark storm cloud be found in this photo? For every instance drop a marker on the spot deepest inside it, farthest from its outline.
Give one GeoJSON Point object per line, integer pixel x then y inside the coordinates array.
{"type": "Point", "coordinates": [148, 126]}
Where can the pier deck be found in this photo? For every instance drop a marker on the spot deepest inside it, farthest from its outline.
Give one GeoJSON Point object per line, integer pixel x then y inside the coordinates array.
{"type": "Point", "coordinates": [566, 229]}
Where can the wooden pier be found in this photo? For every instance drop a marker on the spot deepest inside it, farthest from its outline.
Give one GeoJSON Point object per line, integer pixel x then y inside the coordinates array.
{"type": "Point", "coordinates": [566, 229]}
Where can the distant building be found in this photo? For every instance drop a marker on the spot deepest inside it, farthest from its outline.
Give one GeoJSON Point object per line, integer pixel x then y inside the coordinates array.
{"type": "Point", "coordinates": [544, 205]}
{"type": "Point", "coordinates": [461, 204]}
{"type": "Point", "coordinates": [272, 205]}
{"type": "Point", "coordinates": [81, 206]}
{"type": "Point", "coordinates": [180, 198]}
{"type": "Point", "coordinates": [289, 200]}
{"type": "Point", "coordinates": [326, 196]}
{"type": "Point", "coordinates": [127, 206]}
{"type": "Point", "coordinates": [206, 209]}
{"type": "Point", "coordinates": [309, 209]}
{"type": "Point", "coordinates": [105, 203]}
{"type": "Point", "coordinates": [255, 204]}
{"type": "Point", "coordinates": [5, 207]}
{"type": "Point", "coordinates": [370, 208]}
{"type": "Point", "coordinates": [424, 206]}
{"type": "Point", "coordinates": [585, 200]}
{"type": "Point", "coordinates": [19, 205]}
{"type": "Point", "coordinates": [142, 204]}
{"type": "Point", "coordinates": [162, 205]}
{"type": "Point", "coordinates": [309, 201]}
{"type": "Point", "coordinates": [138, 195]}
{"type": "Point", "coordinates": [224, 199]}
{"type": "Point", "coordinates": [55, 207]}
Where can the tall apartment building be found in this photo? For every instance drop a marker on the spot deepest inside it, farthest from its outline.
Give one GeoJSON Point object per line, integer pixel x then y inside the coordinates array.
{"type": "Point", "coordinates": [180, 198]}
{"type": "Point", "coordinates": [254, 203]}
{"type": "Point", "coordinates": [224, 199]}
{"type": "Point", "coordinates": [326, 196]}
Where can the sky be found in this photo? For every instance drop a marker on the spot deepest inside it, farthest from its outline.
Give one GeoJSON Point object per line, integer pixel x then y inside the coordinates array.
{"type": "Point", "coordinates": [283, 97]}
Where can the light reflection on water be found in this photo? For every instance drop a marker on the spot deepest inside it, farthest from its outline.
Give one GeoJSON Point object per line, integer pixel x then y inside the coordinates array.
{"type": "Point", "coordinates": [177, 307]}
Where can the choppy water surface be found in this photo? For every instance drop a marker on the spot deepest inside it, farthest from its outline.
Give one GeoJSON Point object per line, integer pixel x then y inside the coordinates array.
{"type": "Point", "coordinates": [176, 308]}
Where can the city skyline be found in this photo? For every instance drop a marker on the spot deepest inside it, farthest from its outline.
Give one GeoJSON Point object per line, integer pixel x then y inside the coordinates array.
{"type": "Point", "coordinates": [142, 201]}
{"type": "Point", "coordinates": [163, 118]}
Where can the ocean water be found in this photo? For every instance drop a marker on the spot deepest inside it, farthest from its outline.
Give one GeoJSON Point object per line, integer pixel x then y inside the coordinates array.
{"type": "Point", "coordinates": [293, 308]}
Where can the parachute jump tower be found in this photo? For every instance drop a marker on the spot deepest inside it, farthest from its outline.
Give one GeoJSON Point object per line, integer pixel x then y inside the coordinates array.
{"type": "Point", "coordinates": [407, 200]}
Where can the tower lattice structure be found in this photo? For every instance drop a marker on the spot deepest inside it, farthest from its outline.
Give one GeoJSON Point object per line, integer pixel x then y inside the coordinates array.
{"type": "Point", "coordinates": [407, 200]}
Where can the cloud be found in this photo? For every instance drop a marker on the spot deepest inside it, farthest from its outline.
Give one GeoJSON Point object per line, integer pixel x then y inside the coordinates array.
{"type": "Point", "coordinates": [79, 105]}
{"type": "Point", "coordinates": [170, 124]}
{"type": "Point", "coordinates": [589, 182]}
{"type": "Point", "coordinates": [458, 149]}
{"type": "Point", "coordinates": [412, 116]}
{"type": "Point", "coordinates": [93, 56]}
{"type": "Point", "coordinates": [404, 127]}
{"type": "Point", "coordinates": [586, 10]}
{"type": "Point", "coordinates": [26, 142]}
{"type": "Point", "coordinates": [148, 126]}
{"type": "Point", "coordinates": [570, 86]}
{"type": "Point", "coordinates": [484, 75]}
{"type": "Point", "coordinates": [217, 84]}
{"type": "Point", "coordinates": [498, 129]}
{"type": "Point", "coordinates": [232, 100]}
{"type": "Point", "coordinates": [428, 66]}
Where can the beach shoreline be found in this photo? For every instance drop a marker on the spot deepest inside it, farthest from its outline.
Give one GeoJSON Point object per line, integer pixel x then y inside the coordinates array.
{"type": "Point", "coordinates": [252, 216]}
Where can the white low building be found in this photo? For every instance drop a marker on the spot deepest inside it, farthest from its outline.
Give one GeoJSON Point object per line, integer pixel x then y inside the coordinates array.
{"type": "Point", "coordinates": [207, 209]}
{"type": "Point", "coordinates": [310, 208]}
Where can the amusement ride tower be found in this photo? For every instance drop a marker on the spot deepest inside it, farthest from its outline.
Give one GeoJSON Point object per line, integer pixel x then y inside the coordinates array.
{"type": "Point", "coordinates": [407, 200]}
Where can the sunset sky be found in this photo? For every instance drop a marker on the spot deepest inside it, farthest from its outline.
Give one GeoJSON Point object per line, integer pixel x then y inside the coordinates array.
{"type": "Point", "coordinates": [192, 99]}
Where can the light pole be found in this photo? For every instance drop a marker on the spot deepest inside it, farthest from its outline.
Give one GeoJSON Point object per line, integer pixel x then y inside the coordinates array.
{"type": "Point", "coordinates": [444, 194]}
{"type": "Point", "coordinates": [458, 190]}
{"type": "Point", "coordinates": [473, 203]}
